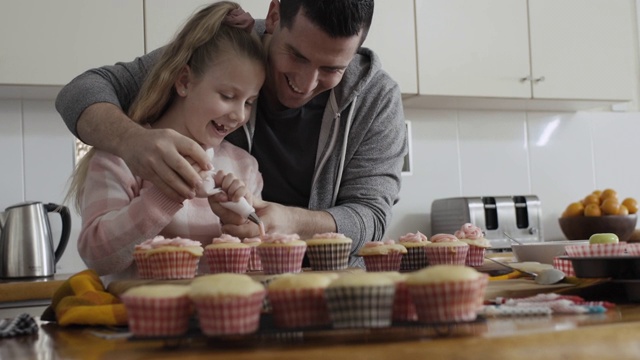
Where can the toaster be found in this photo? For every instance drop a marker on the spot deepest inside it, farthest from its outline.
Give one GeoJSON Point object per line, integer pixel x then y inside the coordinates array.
{"type": "Point", "coordinates": [518, 216]}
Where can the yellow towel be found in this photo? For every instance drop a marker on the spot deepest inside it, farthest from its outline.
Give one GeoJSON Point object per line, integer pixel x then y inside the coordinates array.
{"type": "Point", "coordinates": [83, 300]}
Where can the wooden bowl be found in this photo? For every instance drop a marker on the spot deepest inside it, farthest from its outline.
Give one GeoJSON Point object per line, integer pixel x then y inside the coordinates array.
{"type": "Point", "coordinates": [582, 227]}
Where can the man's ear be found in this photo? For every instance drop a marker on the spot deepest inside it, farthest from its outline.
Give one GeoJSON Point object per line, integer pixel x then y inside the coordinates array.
{"type": "Point", "coordinates": [273, 17]}
{"type": "Point", "coordinates": [183, 80]}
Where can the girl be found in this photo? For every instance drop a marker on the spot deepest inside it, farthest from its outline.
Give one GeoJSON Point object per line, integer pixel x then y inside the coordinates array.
{"type": "Point", "coordinates": [203, 87]}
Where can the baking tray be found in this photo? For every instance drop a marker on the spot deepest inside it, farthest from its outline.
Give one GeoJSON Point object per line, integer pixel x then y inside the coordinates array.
{"type": "Point", "coordinates": [632, 288]}
{"type": "Point", "coordinates": [616, 267]}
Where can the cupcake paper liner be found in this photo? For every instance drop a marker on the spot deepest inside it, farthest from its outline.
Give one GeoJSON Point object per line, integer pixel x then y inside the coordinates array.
{"type": "Point", "coordinates": [281, 259]}
{"type": "Point", "coordinates": [449, 302]}
{"type": "Point", "coordinates": [229, 315]}
{"type": "Point", "coordinates": [298, 308]}
{"type": "Point", "coordinates": [225, 260]}
{"type": "Point", "coordinates": [403, 307]}
{"type": "Point", "coordinates": [174, 265]}
{"type": "Point", "coordinates": [475, 256]}
{"type": "Point", "coordinates": [329, 256]}
{"type": "Point", "coordinates": [254, 260]}
{"type": "Point", "coordinates": [633, 249]}
{"type": "Point", "coordinates": [616, 249]}
{"type": "Point", "coordinates": [157, 317]}
{"type": "Point", "coordinates": [564, 265]}
{"type": "Point", "coordinates": [389, 262]}
{"type": "Point", "coordinates": [454, 255]}
{"type": "Point", "coordinates": [414, 259]}
{"type": "Point", "coordinates": [143, 264]}
{"type": "Point", "coordinates": [360, 307]}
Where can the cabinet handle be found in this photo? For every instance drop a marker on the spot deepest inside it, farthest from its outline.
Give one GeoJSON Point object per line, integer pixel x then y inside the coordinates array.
{"type": "Point", "coordinates": [541, 78]}
{"type": "Point", "coordinates": [526, 78]}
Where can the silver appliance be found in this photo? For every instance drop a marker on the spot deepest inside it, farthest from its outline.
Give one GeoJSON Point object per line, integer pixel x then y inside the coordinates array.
{"type": "Point", "coordinates": [520, 216]}
{"type": "Point", "coordinates": [26, 244]}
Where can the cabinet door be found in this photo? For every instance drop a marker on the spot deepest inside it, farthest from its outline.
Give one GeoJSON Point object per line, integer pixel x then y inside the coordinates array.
{"type": "Point", "coordinates": [582, 48]}
{"type": "Point", "coordinates": [392, 37]}
{"type": "Point", "coordinates": [49, 42]}
{"type": "Point", "coordinates": [473, 48]}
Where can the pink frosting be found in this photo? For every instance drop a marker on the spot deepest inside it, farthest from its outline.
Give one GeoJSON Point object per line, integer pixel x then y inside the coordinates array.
{"type": "Point", "coordinates": [329, 235]}
{"type": "Point", "coordinates": [225, 239]}
{"type": "Point", "coordinates": [159, 241]}
{"type": "Point", "coordinates": [276, 238]}
{"type": "Point", "coordinates": [379, 243]}
{"type": "Point", "coordinates": [414, 238]}
{"type": "Point", "coordinates": [252, 240]}
{"type": "Point", "coordinates": [469, 231]}
{"type": "Point", "coordinates": [438, 238]}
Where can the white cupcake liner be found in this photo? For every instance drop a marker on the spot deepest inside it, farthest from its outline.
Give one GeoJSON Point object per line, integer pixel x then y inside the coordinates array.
{"type": "Point", "coordinates": [143, 264]}
{"type": "Point", "coordinates": [403, 307]}
{"type": "Point", "coordinates": [414, 259]}
{"type": "Point", "coordinates": [454, 255]}
{"type": "Point", "coordinates": [157, 316]}
{"type": "Point", "coordinates": [299, 308]}
{"type": "Point", "coordinates": [388, 262]}
{"type": "Point", "coordinates": [475, 256]}
{"type": "Point", "coordinates": [254, 260]}
{"type": "Point", "coordinates": [360, 307]}
{"type": "Point", "coordinates": [173, 265]}
{"type": "Point", "coordinates": [329, 256]}
{"type": "Point", "coordinates": [229, 315]}
{"type": "Point", "coordinates": [228, 260]}
{"type": "Point", "coordinates": [281, 259]}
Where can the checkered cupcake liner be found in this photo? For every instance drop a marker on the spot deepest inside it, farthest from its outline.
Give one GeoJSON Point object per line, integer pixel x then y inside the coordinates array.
{"type": "Point", "coordinates": [633, 249]}
{"type": "Point", "coordinates": [564, 265]}
{"type": "Point", "coordinates": [414, 259]}
{"type": "Point", "coordinates": [254, 260]}
{"type": "Point", "coordinates": [143, 264]}
{"type": "Point", "coordinates": [616, 249]}
{"type": "Point", "coordinates": [454, 255]}
{"type": "Point", "coordinates": [403, 307]}
{"type": "Point", "coordinates": [475, 256]}
{"type": "Point", "coordinates": [157, 317]}
{"type": "Point", "coordinates": [449, 302]}
{"type": "Point", "coordinates": [389, 262]}
{"type": "Point", "coordinates": [173, 265]}
{"type": "Point", "coordinates": [360, 307]}
{"type": "Point", "coordinates": [329, 256]}
{"type": "Point", "coordinates": [281, 259]}
{"type": "Point", "coordinates": [299, 308]}
{"type": "Point", "coordinates": [225, 260]}
{"type": "Point", "coordinates": [229, 315]}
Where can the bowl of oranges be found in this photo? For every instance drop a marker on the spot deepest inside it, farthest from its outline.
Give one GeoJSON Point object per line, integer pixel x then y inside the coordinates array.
{"type": "Point", "coordinates": [600, 212]}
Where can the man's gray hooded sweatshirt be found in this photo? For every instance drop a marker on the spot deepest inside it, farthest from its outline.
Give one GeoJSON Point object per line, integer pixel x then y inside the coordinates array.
{"type": "Point", "coordinates": [361, 146]}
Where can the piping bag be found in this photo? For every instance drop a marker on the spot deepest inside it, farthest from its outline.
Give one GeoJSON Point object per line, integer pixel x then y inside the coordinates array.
{"type": "Point", "coordinates": [241, 207]}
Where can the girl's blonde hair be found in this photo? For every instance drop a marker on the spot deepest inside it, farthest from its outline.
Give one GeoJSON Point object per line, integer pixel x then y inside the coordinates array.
{"type": "Point", "coordinates": [203, 38]}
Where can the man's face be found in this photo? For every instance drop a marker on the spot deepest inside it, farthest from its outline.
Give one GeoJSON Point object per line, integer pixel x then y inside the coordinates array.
{"type": "Point", "coordinates": [304, 61]}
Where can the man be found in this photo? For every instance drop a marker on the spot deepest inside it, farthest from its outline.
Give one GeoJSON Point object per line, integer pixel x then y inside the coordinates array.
{"type": "Point", "coordinates": [328, 130]}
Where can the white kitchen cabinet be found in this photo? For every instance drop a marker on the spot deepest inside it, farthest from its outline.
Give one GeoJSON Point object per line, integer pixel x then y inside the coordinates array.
{"type": "Point", "coordinates": [536, 49]}
{"type": "Point", "coordinates": [49, 42]}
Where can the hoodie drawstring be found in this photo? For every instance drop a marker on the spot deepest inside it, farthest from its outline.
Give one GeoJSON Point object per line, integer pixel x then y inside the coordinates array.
{"type": "Point", "coordinates": [343, 151]}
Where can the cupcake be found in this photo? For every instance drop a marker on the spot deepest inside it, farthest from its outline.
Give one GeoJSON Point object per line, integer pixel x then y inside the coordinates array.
{"type": "Point", "coordinates": [446, 249]}
{"type": "Point", "coordinates": [447, 293]}
{"type": "Point", "coordinates": [403, 307]}
{"type": "Point", "coordinates": [227, 304]}
{"type": "Point", "coordinates": [281, 253]}
{"type": "Point", "coordinates": [227, 253]}
{"type": "Point", "coordinates": [157, 310]}
{"type": "Point", "coordinates": [254, 259]}
{"type": "Point", "coordinates": [382, 255]}
{"type": "Point", "coordinates": [140, 257]}
{"type": "Point", "coordinates": [360, 300]}
{"type": "Point", "coordinates": [175, 258]}
{"type": "Point", "coordinates": [328, 251]}
{"type": "Point", "coordinates": [297, 300]}
{"type": "Point", "coordinates": [415, 259]}
{"type": "Point", "coordinates": [474, 237]}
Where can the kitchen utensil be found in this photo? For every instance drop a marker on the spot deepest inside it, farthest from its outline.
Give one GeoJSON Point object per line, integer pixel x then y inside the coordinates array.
{"type": "Point", "coordinates": [26, 244]}
{"type": "Point", "coordinates": [511, 238]}
{"type": "Point", "coordinates": [545, 277]}
{"type": "Point", "coordinates": [241, 207]}
{"type": "Point", "coordinates": [542, 252]}
{"type": "Point", "coordinates": [582, 227]}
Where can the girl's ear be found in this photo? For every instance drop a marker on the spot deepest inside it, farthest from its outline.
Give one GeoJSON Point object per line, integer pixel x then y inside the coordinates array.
{"type": "Point", "coordinates": [183, 81]}
{"type": "Point", "coordinates": [273, 17]}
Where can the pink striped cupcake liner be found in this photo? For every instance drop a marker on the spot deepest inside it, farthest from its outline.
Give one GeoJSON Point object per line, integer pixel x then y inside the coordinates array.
{"type": "Point", "coordinates": [475, 256]}
{"type": "Point", "coordinates": [449, 302]}
{"type": "Point", "coordinates": [454, 255]}
{"type": "Point", "coordinates": [254, 260]}
{"type": "Point", "coordinates": [143, 265]}
{"type": "Point", "coordinates": [157, 317]}
{"type": "Point", "coordinates": [229, 315]}
{"type": "Point", "coordinates": [173, 265]}
{"type": "Point", "coordinates": [299, 308]}
{"type": "Point", "coordinates": [414, 259]}
{"type": "Point", "coordinates": [564, 265]}
{"type": "Point", "coordinates": [281, 259]}
{"type": "Point", "coordinates": [228, 260]}
{"type": "Point", "coordinates": [329, 256]}
{"type": "Point", "coordinates": [388, 262]}
{"type": "Point", "coordinates": [616, 249]}
{"type": "Point", "coordinates": [403, 307]}
{"type": "Point", "coordinates": [360, 307]}
{"type": "Point", "coordinates": [633, 249]}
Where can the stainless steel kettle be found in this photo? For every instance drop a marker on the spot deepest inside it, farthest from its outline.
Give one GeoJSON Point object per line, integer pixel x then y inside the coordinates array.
{"type": "Point", "coordinates": [26, 244]}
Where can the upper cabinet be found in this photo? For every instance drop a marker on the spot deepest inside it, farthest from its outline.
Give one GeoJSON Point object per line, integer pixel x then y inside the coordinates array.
{"type": "Point", "coordinates": [535, 49]}
{"type": "Point", "coordinates": [50, 42]}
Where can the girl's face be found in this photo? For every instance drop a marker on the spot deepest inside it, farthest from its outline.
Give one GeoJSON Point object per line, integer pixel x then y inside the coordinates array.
{"type": "Point", "coordinates": [220, 101]}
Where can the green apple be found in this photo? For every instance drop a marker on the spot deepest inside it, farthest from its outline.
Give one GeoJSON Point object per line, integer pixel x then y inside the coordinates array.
{"type": "Point", "coordinates": [604, 238]}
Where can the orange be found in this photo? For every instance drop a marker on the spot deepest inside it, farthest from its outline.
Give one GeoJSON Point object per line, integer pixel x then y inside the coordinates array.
{"type": "Point", "coordinates": [631, 204]}
{"type": "Point", "coordinates": [607, 193]}
{"type": "Point", "coordinates": [591, 199]}
{"type": "Point", "coordinates": [597, 193]}
{"type": "Point", "coordinates": [592, 210]}
{"type": "Point", "coordinates": [623, 210]}
{"type": "Point", "coordinates": [610, 206]}
{"type": "Point", "coordinates": [574, 209]}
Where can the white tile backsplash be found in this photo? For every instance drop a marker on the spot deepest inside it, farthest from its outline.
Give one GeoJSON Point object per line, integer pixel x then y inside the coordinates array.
{"type": "Point", "coordinates": [11, 154]}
